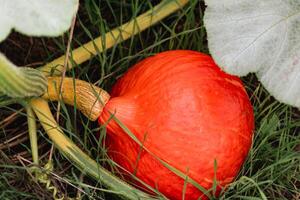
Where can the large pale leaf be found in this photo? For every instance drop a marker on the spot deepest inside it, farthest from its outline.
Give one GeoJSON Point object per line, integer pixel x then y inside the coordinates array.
{"type": "Point", "coordinates": [36, 17]}
{"type": "Point", "coordinates": [260, 36]}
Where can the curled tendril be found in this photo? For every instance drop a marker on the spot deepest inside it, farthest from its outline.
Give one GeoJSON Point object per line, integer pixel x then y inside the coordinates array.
{"type": "Point", "coordinates": [43, 176]}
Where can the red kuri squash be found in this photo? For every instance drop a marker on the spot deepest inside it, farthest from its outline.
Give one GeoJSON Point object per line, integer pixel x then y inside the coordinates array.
{"type": "Point", "coordinates": [187, 112]}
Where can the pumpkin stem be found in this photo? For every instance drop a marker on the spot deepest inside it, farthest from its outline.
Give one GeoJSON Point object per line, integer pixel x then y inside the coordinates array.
{"type": "Point", "coordinates": [89, 99]}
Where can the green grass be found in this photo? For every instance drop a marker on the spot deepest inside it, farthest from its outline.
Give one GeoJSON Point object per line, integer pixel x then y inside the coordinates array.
{"type": "Point", "coordinates": [271, 171]}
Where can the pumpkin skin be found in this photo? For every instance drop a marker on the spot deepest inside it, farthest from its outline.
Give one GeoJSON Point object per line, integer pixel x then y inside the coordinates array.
{"type": "Point", "coordinates": [187, 112]}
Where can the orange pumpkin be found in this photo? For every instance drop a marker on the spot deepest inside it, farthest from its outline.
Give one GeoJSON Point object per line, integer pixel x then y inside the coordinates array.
{"type": "Point", "coordinates": [185, 111]}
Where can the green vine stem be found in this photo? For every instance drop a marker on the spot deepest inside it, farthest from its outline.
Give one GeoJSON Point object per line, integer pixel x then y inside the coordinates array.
{"type": "Point", "coordinates": [78, 157]}
{"type": "Point", "coordinates": [117, 35]}
{"type": "Point", "coordinates": [31, 120]}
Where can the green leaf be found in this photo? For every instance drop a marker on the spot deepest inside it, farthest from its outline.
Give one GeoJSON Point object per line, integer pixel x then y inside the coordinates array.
{"type": "Point", "coordinates": [258, 36]}
{"type": "Point", "coordinates": [35, 17]}
{"type": "Point", "coordinates": [20, 82]}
